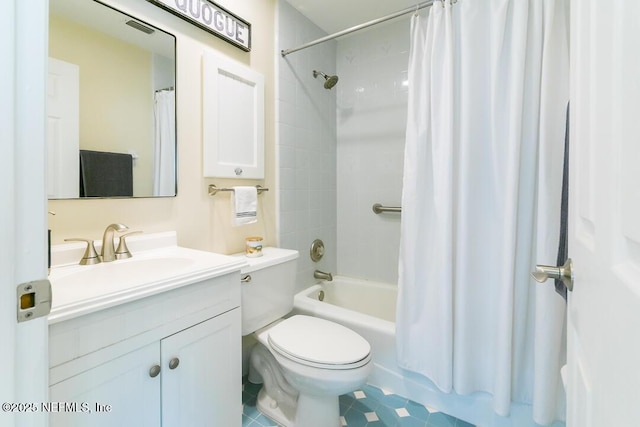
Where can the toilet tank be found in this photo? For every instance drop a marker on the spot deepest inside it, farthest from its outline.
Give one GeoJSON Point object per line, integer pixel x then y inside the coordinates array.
{"type": "Point", "coordinates": [268, 295]}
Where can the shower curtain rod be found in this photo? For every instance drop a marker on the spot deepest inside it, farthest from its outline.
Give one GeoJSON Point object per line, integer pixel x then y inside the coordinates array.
{"type": "Point", "coordinates": [415, 8]}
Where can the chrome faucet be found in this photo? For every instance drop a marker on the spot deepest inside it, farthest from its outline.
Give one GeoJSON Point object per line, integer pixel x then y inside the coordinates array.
{"type": "Point", "coordinates": [322, 275]}
{"type": "Point", "coordinates": [108, 252]}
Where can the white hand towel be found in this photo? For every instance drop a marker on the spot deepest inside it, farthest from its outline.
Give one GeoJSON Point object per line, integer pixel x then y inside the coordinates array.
{"type": "Point", "coordinates": [244, 204]}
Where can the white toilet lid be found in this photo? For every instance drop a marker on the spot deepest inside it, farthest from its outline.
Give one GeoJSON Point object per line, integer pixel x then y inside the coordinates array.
{"type": "Point", "coordinates": [319, 342]}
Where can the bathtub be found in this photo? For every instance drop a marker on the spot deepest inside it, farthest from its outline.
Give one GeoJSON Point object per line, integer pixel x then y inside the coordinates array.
{"type": "Point", "coordinates": [369, 309]}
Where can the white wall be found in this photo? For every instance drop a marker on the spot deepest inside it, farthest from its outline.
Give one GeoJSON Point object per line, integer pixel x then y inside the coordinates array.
{"type": "Point", "coordinates": [202, 222]}
{"type": "Point", "coordinates": [306, 143]}
{"type": "Point", "coordinates": [371, 114]}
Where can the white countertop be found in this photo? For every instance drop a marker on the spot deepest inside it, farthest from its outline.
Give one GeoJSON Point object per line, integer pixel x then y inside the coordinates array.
{"type": "Point", "coordinates": [157, 265]}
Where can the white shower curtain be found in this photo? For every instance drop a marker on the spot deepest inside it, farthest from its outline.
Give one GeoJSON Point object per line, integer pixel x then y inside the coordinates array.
{"type": "Point", "coordinates": [488, 91]}
{"type": "Point", "coordinates": [164, 162]}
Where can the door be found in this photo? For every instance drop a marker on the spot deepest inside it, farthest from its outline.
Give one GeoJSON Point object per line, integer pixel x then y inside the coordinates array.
{"type": "Point", "coordinates": [122, 392]}
{"type": "Point", "coordinates": [63, 130]}
{"type": "Point", "coordinates": [201, 369]}
{"type": "Point", "coordinates": [604, 239]}
{"type": "Point", "coordinates": [23, 213]}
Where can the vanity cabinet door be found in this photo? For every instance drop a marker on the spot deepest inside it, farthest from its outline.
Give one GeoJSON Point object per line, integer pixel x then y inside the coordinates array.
{"type": "Point", "coordinates": [201, 374]}
{"type": "Point", "coordinates": [120, 392]}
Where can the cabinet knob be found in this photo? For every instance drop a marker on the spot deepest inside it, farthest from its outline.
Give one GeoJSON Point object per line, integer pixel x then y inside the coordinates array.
{"type": "Point", "coordinates": [173, 363]}
{"type": "Point", "coordinates": [154, 371]}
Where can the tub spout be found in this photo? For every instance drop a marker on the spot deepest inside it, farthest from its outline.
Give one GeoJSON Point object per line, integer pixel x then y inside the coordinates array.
{"type": "Point", "coordinates": [322, 275]}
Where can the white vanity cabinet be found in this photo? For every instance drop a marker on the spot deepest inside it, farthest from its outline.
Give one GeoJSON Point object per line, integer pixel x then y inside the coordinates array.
{"type": "Point", "coordinates": [205, 387]}
{"type": "Point", "coordinates": [169, 359]}
{"type": "Point", "coordinates": [132, 394]}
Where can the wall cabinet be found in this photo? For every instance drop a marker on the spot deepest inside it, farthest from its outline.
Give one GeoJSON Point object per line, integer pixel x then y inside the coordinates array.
{"type": "Point", "coordinates": [233, 119]}
{"type": "Point", "coordinates": [179, 367]}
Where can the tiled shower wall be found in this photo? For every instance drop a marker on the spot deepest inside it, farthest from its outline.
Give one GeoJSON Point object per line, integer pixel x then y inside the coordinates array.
{"type": "Point", "coordinates": [341, 150]}
{"type": "Point", "coordinates": [306, 144]}
{"type": "Point", "coordinates": [371, 116]}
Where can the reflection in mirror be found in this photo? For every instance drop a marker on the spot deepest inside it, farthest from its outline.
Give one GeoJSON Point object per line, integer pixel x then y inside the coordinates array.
{"type": "Point", "coordinates": [111, 104]}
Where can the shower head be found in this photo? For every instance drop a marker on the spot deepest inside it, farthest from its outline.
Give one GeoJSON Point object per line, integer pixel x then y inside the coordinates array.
{"type": "Point", "coordinates": [329, 81]}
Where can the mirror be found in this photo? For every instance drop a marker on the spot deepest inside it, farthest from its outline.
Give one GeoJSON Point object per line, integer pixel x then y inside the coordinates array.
{"type": "Point", "coordinates": [111, 104]}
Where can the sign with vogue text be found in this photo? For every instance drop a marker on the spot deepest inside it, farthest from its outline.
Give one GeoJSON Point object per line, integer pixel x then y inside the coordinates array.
{"type": "Point", "coordinates": [212, 18]}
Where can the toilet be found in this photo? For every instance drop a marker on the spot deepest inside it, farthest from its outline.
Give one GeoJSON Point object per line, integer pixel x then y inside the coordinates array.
{"type": "Point", "coordinates": [303, 362]}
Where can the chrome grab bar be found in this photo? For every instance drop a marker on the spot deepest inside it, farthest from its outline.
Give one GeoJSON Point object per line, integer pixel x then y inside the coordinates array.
{"type": "Point", "coordinates": [378, 208]}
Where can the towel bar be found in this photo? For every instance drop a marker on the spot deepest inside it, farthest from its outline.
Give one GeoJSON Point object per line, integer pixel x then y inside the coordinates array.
{"type": "Point", "coordinates": [378, 208]}
{"type": "Point", "coordinates": [213, 190]}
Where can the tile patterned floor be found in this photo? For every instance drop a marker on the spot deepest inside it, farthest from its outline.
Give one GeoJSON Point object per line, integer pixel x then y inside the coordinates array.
{"type": "Point", "coordinates": [368, 407]}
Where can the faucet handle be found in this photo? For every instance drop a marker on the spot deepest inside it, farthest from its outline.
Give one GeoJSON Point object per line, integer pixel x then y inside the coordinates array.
{"type": "Point", "coordinates": [90, 256]}
{"type": "Point", "coordinates": [123, 251]}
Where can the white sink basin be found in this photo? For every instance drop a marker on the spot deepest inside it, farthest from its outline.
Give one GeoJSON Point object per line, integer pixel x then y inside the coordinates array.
{"type": "Point", "coordinates": [79, 289]}
{"type": "Point", "coordinates": [115, 276]}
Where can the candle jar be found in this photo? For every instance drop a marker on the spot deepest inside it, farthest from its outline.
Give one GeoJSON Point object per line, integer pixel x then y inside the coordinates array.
{"type": "Point", "coordinates": [253, 247]}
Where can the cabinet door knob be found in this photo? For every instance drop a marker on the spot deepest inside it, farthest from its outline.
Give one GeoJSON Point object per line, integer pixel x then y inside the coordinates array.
{"type": "Point", "coordinates": [154, 371]}
{"type": "Point", "coordinates": [173, 363]}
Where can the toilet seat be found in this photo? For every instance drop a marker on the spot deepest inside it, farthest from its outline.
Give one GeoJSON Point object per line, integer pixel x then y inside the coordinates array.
{"type": "Point", "coordinates": [319, 343]}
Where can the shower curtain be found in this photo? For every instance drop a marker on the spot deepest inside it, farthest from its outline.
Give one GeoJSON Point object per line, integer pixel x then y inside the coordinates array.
{"type": "Point", "coordinates": [488, 91]}
{"type": "Point", "coordinates": [164, 161]}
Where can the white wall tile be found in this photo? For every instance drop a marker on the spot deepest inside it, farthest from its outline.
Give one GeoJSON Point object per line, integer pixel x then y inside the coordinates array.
{"type": "Point", "coordinates": [341, 150]}
{"type": "Point", "coordinates": [371, 119]}
{"type": "Point", "coordinates": [307, 146]}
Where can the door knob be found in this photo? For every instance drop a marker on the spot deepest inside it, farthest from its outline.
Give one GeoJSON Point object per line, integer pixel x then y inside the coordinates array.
{"type": "Point", "coordinates": [564, 273]}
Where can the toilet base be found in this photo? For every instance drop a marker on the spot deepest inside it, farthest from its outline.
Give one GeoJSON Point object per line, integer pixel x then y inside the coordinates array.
{"type": "Point", "coordinates": [284, 404]}
{"type": "Point", "coordinates": [317, 411]}
{"type": "Point", "coordinates": [311, 411]}
{"type": "Point", "coordinates": [276, 399]}
{"type": "Point", "coordinates": [281, 413]}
